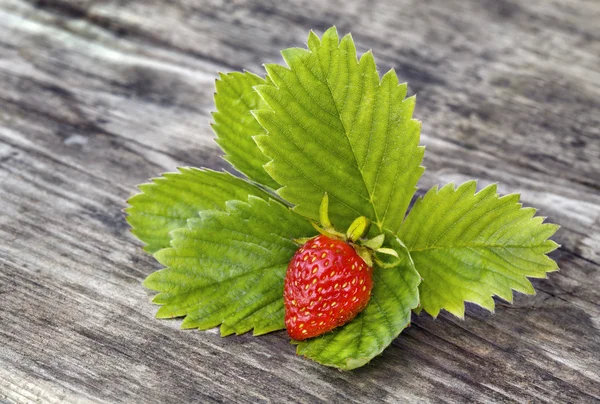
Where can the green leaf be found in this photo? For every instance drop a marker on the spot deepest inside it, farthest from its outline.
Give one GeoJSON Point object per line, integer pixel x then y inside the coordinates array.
{"type": "Point", "coordinates": [228, 267]}
{"type": "Point", "coordinates": [333, 126]}
{"type": "Point", "coordinates": [167, 202]}
{"type": "Point", "coordinates": [235, 126]}
{"type": "Point", "coordinates": [394, 294]}
{"type": "Point", "coordinates": [470, 246]}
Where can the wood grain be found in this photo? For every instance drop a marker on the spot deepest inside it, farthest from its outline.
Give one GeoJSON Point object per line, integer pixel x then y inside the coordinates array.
{"type": "Point", "coordinates": [98, 96]}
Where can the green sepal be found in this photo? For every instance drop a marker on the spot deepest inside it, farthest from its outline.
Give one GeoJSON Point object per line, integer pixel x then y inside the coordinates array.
{"type": "Point", "coordinates": [374, 243]}
{"type": "Point", "coordinates": [358, 228]}
{"type": "Point", "coordinates": [388, 251]}
{"type": "Point", "coordinates": [324, 212]}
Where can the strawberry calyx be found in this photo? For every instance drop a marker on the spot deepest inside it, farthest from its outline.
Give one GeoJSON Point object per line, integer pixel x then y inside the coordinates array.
{"type": "Point", "coordinates": [354, 236]}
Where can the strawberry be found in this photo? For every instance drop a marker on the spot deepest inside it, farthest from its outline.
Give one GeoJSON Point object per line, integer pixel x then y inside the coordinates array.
{"type": "Point", "coordinates": [327, 284]}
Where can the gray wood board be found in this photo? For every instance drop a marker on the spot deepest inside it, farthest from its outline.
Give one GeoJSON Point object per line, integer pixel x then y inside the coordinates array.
{"type": "Point", "coordinates": [98, 96]}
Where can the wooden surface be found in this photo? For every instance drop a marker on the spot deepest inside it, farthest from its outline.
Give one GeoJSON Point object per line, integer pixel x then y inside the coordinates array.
{"type": "Point", "coordinates": [98, 96]}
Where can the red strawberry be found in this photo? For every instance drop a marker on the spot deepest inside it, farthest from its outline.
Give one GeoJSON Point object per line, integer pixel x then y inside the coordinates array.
{"type": "Point", "coordinates": [327, 284]}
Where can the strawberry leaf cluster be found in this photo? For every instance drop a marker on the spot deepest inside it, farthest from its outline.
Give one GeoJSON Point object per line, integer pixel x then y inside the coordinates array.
{"type": "Point", "coordinates": [327, 124]}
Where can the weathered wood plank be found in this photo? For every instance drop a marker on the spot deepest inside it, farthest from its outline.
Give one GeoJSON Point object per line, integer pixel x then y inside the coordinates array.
{"type": "Point", "coordinates": [98, 96]}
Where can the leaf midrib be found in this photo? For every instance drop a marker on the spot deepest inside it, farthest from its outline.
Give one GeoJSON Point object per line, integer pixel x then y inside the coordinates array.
{"type": "Point", "coordinates": [347, 137]}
